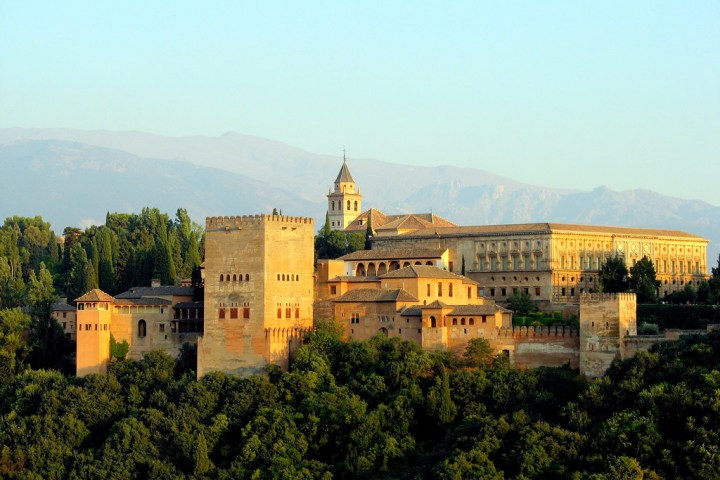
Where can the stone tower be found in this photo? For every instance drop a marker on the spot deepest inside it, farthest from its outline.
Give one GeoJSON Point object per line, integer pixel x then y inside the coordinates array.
{"type": "Point", "coordinates": [94, 312]}
{"type": "Point", "coordinates": [258, 291]}
{"type": "Point", "coordinates": [345, 202]}
{"type": "Point", "coordinates": [606, 319]}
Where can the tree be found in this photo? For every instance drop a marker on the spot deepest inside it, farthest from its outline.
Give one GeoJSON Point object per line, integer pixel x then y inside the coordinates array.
{"type": "Point", "coordinates": [478, 352]}
{"type": "Point", "coordinates": [13, 348]}
{"type": "Point", "coordinates": [46, 338]}
{"type": "Point", "coordinates": [440, 402]}
{"type": "Point", "coordinates": [79, 279]}
{"type": "Point", "coordinates": [643, 281]}
{"type": "Point", "coordinates": [521, 303]}
{"type": "Point", "coordinates": [613, 276]}
{"type": "Point", "coordinates": [369, 232]}
{"type": "Point", "coordinates": [462, 268]}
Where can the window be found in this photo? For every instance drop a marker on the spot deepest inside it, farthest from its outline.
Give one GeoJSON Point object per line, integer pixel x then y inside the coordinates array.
{"type": "Point", "coordinates": [348, 204]}
{"type": "Point", "coordinates": [450, 266]}
{"type": "Point", "coordinates": [297, 312]}
{"type": "Point", "coordinates": [439, 289]}
{"type": "Point", "coordinates": [222, 314]}
{"type": "Point", "coordinates": [64, 314]}
{"type": "Point", "coordinates": [355, 318]}
{"type": "Point", "coordinates": [454, 321]}
{"type": "Point", "coordinates": [469, 292]}
{"type": "Point", "coordinates": [333, 207]}
{"type": "Point", "coordinates": [562, 291]}
{"type": "Point", "coordinates": [471, 321]}
{"type": "Point", "coordinates": [288, 312]}
{"type": "Point", "coordinates": [356, 205]}
{"type": "Point", "coordinates": [142, 328]}
{"type": "Point", "coordinates": [234, 313]}
{"type": "Point", "coordinates": [450, 289]}
{"type": "Point", "coordinates": [246, 312]}
{"type": "Point", "coordinates": [428, 289]}
{"type": "Point", "coordinates": [537, 291]}
{"type": "Point", "coordinates": [503, 292]}
{"type": "Point", "coordinates": [433, 322]}
{"type": "Point", "coordinates": [279, 313]}
{"type": "Point", "coordinates": [492, 292]}
{"type": "Point", "coordinates": [333, 290]}
{"type": "Point", "coordinates": [162, 328]}
{"type": "Point", "coordinates": [462, 321]}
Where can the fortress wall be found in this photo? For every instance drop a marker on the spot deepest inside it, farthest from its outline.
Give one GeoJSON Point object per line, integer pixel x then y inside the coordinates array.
{"type": "Point", "coordinates": [532, 347]}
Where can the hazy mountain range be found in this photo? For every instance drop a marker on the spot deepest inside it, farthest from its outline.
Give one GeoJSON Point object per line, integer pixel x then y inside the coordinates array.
{"type": "Point", "coordinates": [73, 177]}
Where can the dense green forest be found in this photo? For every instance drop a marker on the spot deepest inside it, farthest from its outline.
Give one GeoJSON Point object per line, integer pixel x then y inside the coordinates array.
{"type": "Point", "coordinates": [128, 250]}
{"type": "Point", "coordinates": [375, 409]}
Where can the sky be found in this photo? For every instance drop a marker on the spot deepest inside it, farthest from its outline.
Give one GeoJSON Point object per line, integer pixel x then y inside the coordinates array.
{"type": "Point", "coordinates": [570, 94]}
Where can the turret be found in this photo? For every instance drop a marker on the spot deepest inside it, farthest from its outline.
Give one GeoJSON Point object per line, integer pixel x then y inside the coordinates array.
{"type": "Point", "coordinates": [345, 201]}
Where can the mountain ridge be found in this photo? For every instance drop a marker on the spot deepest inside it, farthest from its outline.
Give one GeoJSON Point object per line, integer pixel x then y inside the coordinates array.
{"type": "Point", "coordinates": [236, 173]}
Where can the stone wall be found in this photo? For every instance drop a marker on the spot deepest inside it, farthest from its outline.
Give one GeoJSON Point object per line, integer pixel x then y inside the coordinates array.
{"type": "Point", "coordinates": [532, 347]}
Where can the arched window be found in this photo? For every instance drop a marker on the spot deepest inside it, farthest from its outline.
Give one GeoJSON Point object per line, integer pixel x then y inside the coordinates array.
{"type": "Point", "coordinates": [433, 322]}
{"type": "Point", "coordinates": [222, 277]}
{"type": "Point", "coordinates": [278, 276]}
{"type": "Point", "coordinates": [247, 277]}
{"type": "Point", "coordinates": [348, 204]}
{"type": "Point", "coordinates": [333, 205]}
{"type": "Point", "coordinates": [234, 277]}
{"type": "Point", "coordinates": [283, 277]}
{"type": "Point", "coordinates": [471, 321]}
{"type": "Point", "coordinates": [462, 321]}
{"type": "Point", "coordinates": [142, 328]}
{"type": "Point", "coordinates": [356, 205]}
{"type": "Point", "coordinates": [454, 321]}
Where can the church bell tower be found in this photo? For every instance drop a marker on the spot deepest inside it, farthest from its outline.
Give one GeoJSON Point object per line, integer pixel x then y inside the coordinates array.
{"type": "Point", "coordinates": [345, 202]}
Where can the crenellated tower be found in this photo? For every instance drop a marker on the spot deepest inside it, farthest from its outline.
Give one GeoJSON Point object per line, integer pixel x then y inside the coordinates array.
{"type": "Point", "coordinates": [345, 202]}
{"type": "Point", "coordinates": [258, 292]}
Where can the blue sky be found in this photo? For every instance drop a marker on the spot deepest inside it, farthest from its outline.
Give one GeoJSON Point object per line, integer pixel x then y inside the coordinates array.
{"type": "Point", "coordinates": [565, 94]}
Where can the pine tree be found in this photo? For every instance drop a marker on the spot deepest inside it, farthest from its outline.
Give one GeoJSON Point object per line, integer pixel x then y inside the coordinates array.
{"type": "Point", "coordinates": [202, 462]}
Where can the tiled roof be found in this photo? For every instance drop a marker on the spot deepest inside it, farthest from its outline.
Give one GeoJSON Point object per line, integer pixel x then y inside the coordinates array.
{"type": "Point", "coordinates": [476, 310]}
{"type": "Point", "coordinates": [394, 254]}
{"type": "Point", "coordinates": [379, 221]}
{"type": "Point", "coordinates": [355, 279]}
{"type": "Point", "coordinates": [413, 311]}
{"type": "Point", "coordinates": [173, 290]}
{"type": "Point", "coordinates": [543, 228]}
{"type": "Point", "coordinates": [425, 271]}
{"type": "Point", "coordinates": [63, 307]}
{"type": "Point", "coordinates": [142, 301]}
{"type": "Point", "coordinates": [95, 295]}
{"type": "Point", "coordinates": [344, 175]}
{"type": "Point", "coordinates": [376, 295]}
{"type": "Point", "coordinates": [435, 304]}
{"type": "Point", "coordinates": [189, 305]}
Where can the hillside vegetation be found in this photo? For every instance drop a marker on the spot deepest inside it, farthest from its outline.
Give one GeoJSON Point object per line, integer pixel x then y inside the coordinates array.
{"type": "Point", "coordinates": [375, 409]}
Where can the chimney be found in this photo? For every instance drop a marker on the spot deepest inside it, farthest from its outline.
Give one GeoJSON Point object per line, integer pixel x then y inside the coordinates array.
{"type": "Point", "coordinates": [155, 282]}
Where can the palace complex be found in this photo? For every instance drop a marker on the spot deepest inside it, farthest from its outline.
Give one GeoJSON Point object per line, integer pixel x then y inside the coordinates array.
{"type": "Point", "coordinates": [425, 280]}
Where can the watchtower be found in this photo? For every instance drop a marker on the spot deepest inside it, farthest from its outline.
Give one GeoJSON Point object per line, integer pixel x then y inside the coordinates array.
{"type": "Point", "coordinates": [605, 321]}
{"type": "Point", "coordinates": [258, 291]}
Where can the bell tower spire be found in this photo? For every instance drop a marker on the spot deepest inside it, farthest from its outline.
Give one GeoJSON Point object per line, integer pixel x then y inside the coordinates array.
{"type": "Point", "coordinates": [345, 201]}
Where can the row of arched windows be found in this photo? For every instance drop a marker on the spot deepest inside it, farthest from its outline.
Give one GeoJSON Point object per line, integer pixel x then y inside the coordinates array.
{"type": "Point", "coordinates": [470, 321]}
{"type": "Point", "coordinates": [288, 277]}
{"type": "Point", "coordinates": [383, 267]}
{"type": "Point", "coordinates": [235, 277]}
{"type": "Point", "coordinates": [349, 205]}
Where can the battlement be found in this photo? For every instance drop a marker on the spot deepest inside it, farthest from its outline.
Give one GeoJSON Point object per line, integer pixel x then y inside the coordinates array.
{"type": "Point", "coordinates": [604, 297]}
{"type": "Point", "coordinates": [241, 221]}
{"type": "Point", "coordinates": [538, 331]}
